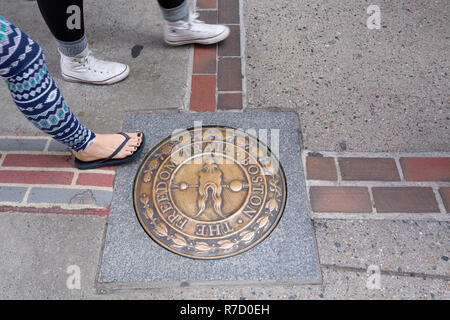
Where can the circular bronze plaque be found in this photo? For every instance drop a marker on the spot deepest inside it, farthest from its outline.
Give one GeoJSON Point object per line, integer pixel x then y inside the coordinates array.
{"type": "Point", "coordinates": [209, 192]}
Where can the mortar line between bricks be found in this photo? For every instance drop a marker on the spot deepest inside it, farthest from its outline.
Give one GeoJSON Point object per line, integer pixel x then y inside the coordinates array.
{"type": "Point", "coordinates": [347, 154]}
{"type": "Point", "coordinates": [74, 179]}
{"type": "Point", "coordinates": [47, 145]}
{"type": "Point", "coordinates": [190, 72]}
{"type": "Point", "coordinates": [27, 194]}
{"type": "Point", "coordinates": [46, 169]}
{"type": "Point", "coordinates": [439, 201]}
{"type": "Point", "coordinates": [57, 186]}
{"type": "Point", "coordinates": [426, 216]}
{"type": "Point", "coordinates": [44, 205]}
{"type": "Point", "coordinates": [243, 42]}
{"type": "Point", "coordinates": [234, 57]}
{"type": "Point", "coordinates": [34, 153]}
{"type": "Point", "coordinates": [204, 74]}
{"type": "Point", "coordinates": [217, 73]}
{"type": "Point", "coordinates": [399, 168]}
{"type": "Point", "coordinates": [338, 170]}
{"type": "Point", "coordinates": [372, 183]}
{"type": "Point", "coordinates": [2, 158]}
{"type": "Point", "coordinates": [389, 272]}
{"type": "Point", "coordinates": [372, 201]}
{"type": "Point", "coordinates": [218, 92]}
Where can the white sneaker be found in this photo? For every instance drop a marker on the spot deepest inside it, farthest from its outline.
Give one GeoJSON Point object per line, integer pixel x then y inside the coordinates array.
{"type": "Point", "coordinates": [194, 31]}
{"type": "Point", "coordinates": [86, 68]}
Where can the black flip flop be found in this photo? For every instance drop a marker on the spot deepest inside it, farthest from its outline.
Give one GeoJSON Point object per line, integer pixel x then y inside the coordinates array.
{"type": "Point", "coordinates": [85, 165]}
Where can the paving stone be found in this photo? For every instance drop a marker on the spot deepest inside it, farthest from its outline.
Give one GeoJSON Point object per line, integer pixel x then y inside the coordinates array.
{"type": "Point", "coordinates": [12, 194]}
{"type": "Point", "coordinates": [229, 101]}
{"type": "Point", "coordinates": [231, 46]}
{"type": "Point", "coordinates": [340, 199]}
{"type": "Point", "coordinates": [210, 16]}
{"type": "Point", "coordinates": [207, 4]}
{"type": "Point", "coordinates": [404, 199]}
{"type": "Point", "coordinates": [57, 146]}
{"type": "Point", "coordinates": [377, 169]}
{"type": "Point", "coordinates": [445, 195]}
{"type": "Point", "coordinates": [228, 11]}
{"type": "Point", "coordinates": [22, 144]}
{"type": "Point", "coordinates": [205, 59]}
{"type": "Point", "coordinates": [132, 258]}
{"type": "Point", "coordinates": [321, 168]}
{"type": "Point", "coordinates": [40, 160]}
{"type": "Point", "coordinates": [229, 76]}
{"type": "Point", "coordinates": [426, 169]}
{"type": "Point", "coordinates": [70, 196]}
{"type": "Point", "coordinates": [203, 94]}
{"type": "Point", "coordinates": [95, 179]}
{"type": "Point", "coordinates": [36, 177]}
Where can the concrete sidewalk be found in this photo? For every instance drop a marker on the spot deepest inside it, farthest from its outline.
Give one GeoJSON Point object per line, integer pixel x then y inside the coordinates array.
{"type": "Point", "coordinates": [354, 89]}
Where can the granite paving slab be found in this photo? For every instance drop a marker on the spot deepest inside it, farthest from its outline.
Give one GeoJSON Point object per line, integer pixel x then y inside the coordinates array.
{"type": "Point", "coordinates": [131, 258]}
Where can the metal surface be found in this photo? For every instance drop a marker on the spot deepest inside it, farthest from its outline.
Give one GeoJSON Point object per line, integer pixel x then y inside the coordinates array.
{"type": "Point", "coordinates": [209, 192]}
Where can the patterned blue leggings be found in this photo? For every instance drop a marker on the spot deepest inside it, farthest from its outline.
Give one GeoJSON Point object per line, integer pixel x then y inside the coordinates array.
{"type": "Point", "coordinates": [22, 65]}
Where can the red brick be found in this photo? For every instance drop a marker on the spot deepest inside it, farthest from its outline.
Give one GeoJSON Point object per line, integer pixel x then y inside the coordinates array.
{"type": "Point", "coordinates": [445, 195]}
{"type": "Point", "coordinates": [36, 177]}
{"type": "Point", "coordinates": [228, 11]}
{"type": "Point", "coordinates": [203, 93]}
{"type": "Point", "coordinates": [426, 169]}
{"type": "Point", "coordinates": [229, 101]}
{"type": "Point", "coordinates": [207, 4]}
{"type": "Point", "coordinates": [210, 16]}
{"type": "Point", "coordinates": [231, 46]}
{"type": "Point", "coordinates": [376, 169]}
{"type": "Point", "coordinates": [205, 59]}
{"type": "Point", "coordinates": [320, 168]}
{"type": "Point", "coordinates": [340, 199]}
{"type": "Point", "coordinates": [96, 179]}
{"type": "Point", "coordinates": [404, 199]}
{"type": "Point", "coordinates": [229, 77]}
{"type": "Point", "coordinates": [41, 160]}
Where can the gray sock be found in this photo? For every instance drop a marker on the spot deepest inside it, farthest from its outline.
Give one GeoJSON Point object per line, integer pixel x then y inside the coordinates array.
{"type": "Point", "coordinates": [178, 13]}
{"type": "Point", "coordinates": [72, 48]}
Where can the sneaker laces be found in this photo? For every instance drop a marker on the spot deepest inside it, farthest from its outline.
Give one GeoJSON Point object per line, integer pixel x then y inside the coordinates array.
{"type": "Point", "coordinates": [90, 61]}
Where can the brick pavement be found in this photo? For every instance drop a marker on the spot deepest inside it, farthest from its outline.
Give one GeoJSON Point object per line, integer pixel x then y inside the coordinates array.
{"type": "Point", "coordinates": [37, 174]}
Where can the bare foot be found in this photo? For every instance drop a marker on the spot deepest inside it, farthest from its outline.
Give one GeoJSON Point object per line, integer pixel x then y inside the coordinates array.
{"type": "Point", "coordinates": [105, 144]}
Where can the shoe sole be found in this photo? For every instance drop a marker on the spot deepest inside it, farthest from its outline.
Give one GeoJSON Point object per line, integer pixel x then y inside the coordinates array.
{"type": "Point", "coordinates": [220, 37]}
{"type": "Point", "coordinates": [117, 78]}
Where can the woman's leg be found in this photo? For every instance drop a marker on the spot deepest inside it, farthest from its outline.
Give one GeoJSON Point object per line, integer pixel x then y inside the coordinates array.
{"type": "Point", "coordinates": [174, 10]}
{"type": "Point", "coordinates": [22, 65]}
{"type": "Point", "coordinates": [65, 19]}
{"type": "Point", "coordinates": [182, 27]}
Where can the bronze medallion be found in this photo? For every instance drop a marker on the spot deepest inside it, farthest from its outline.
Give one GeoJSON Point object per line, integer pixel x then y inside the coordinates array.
{"type": "Point", "coordinates": [209, 192]}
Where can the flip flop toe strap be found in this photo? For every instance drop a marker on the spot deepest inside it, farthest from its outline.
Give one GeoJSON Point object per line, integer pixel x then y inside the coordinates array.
{"type": "Point", "coordinates": [119, 148]}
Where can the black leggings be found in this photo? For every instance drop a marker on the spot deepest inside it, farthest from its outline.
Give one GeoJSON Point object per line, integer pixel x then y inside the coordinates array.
{"type": "Point", "coordinates": [56, 13]}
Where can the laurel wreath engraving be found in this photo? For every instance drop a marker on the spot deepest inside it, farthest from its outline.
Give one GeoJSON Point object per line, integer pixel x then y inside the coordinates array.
{"type": "Point", "coordinates": [154, 163]}
{"type": "Point", "coordinates": [180, 241]}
